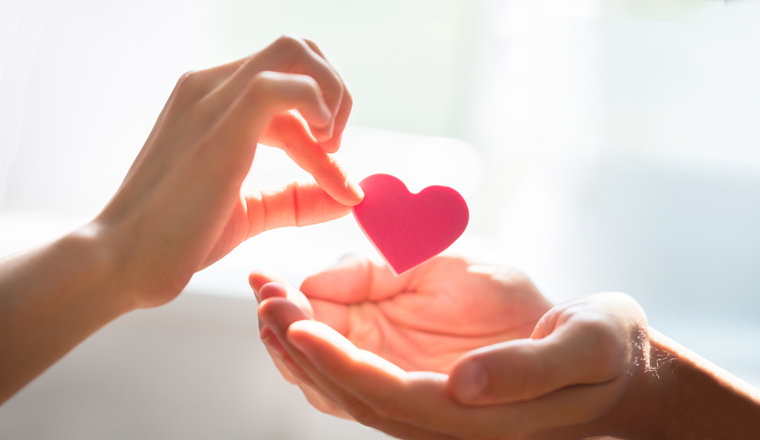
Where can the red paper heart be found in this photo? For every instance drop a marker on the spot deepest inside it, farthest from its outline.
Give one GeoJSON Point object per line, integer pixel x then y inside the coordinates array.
{"type": "Point", "coordinates": [408, 229]}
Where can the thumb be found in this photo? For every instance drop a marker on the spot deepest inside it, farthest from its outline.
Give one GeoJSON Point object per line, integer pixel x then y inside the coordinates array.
{"type": "Point", "coordinates": [575, 353]}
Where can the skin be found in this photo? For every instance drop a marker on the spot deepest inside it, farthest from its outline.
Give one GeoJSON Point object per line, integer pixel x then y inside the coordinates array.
{"type": "Point", "coordinates": [458, 349]}
{"type": "Point", "coordinates": [181, 207]}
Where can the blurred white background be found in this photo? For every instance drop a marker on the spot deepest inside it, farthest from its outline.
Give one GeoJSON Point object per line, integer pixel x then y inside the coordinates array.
{"type": "Point", "coordinates": [599, 148]}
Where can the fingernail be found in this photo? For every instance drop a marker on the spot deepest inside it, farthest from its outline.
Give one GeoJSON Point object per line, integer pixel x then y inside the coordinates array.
{"type": "Point", "coordinates": [354, 188]}
{"type": "Point", "coordinates": [470, 381]}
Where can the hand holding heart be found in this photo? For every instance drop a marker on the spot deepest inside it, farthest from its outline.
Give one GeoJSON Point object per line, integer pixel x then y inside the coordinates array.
{"type": "Point", "coordinates": [181, 206]}
{"type": "Point", "coordinates": [454, 349]}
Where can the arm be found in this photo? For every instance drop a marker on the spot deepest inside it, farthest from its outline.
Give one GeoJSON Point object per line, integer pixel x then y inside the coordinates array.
{"type": "Point", "coordinates": [634, 382]}
{"type": "Point", "coordinates": [181, 206]}
{"type": "Point", "coordinates": [698, 399]}
{"type": "Point", "coordinates": [51, 298]}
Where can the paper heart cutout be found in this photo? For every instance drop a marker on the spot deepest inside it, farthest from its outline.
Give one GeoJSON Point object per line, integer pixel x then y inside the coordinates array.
{"type": "Point", "coordinates": [408, 229]}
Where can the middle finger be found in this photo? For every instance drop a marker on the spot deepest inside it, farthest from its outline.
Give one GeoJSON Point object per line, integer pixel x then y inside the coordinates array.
{"type": "Point", "coordinates": [287, 55]}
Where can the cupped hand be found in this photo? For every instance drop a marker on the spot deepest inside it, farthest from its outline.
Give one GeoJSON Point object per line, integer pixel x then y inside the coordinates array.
{"type": "Point", "coordinates": [181, 206]}
{"type": "Point", "coordinates": [426, 318]}
{"type": "Point", "coordinates": [430, 364]}
{"type": "Point", "coordinates": [423, 320]}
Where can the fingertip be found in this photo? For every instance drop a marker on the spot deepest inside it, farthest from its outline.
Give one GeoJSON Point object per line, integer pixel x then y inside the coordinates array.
{"type": "Point", "coordinates": [322, 129]}
{"type": "Point", "coordinates": [337, 280]}
{"type": "Point", "coordinates": [354, 278]}
{"type": "Point", "coordinates": [346, 198]}
{"type": "Point", "coordinates": [257, 279]}
{"type": "Point", "coordinates": [355, 190]}
{"type": "Point", "coordinates": [312, 285]}
{"type": "Point", "coordinates": [348, 195]}
{"type": "Point", "coordinates": [255, 283]}
{"type": "Point", "coordinates": [341, 188]}
{"type": "Point", "coordinates": [332, 145]}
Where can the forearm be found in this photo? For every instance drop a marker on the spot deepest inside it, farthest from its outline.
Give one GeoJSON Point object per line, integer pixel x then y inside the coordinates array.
{"type": "Point", "coordinates": [52, 298]}
{"type": "Point", "coordinates": [702, 401]}
{"type": "Point", "coordinates": [673, 394]}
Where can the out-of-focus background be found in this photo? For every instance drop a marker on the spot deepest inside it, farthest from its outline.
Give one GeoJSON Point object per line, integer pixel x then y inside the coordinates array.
{"type": "Point", "coordinates": [600, 145]}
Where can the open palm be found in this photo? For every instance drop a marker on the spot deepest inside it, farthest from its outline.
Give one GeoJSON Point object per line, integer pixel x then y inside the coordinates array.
{"type": "Point", "coordinates": [426, 318]}
{"type": "Point", "coordinates": [422, 320]}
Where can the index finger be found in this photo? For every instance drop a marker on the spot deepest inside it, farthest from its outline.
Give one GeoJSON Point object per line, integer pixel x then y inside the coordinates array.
{"type": "Point", "coordinates": [290, 132]}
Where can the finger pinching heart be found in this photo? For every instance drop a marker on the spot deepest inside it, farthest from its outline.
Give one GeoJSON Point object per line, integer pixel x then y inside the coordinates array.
{"type": "Point", "coordinates": [408, 229]}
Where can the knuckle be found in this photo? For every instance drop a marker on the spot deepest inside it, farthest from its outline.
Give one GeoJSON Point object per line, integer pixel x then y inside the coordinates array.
{"type": "Point", "coordinates": [289, 44]}
{"type": "Point", "coordinates": [348, 100]}
{"type": "Point", "coordinates": [186, 80]}
{"type": "Point", "coordinates": [309, 85]}
{"type": "Point", "coordinates": [260, 85]}
{"type": "Point", "coordinates": [310, 42]}
{"type": "Point", "coordinates": [608, 349]}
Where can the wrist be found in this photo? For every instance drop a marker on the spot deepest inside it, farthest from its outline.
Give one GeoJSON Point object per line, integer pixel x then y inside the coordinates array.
{"type": "Point", "coordinates": [139, 268]}
{"type": "Point", "coordinates": [643, 409]}
{"type": "Point", "coordinates": [95, 261]}
{"type": "Point", "coordinates": [702, 401]}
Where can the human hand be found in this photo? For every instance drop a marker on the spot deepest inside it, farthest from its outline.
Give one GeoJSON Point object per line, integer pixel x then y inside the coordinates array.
{"type": "Point", "coordinates": [580, 370]}
{"type": "Point", "coordinates": [422, 321]}
{"type": "Point", "coordinates": [587, 370]}
{"type": "Point", "coordinates": [181, 207]}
